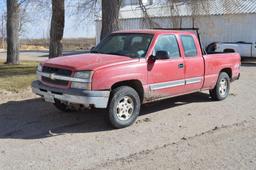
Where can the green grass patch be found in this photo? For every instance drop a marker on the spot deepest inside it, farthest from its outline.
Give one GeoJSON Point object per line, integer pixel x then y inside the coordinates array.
{"type": "Point", "coordinates": [17, 77]}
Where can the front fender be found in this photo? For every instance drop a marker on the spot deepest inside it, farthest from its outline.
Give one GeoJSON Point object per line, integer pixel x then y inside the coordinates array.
{"type": "Point", "coordinates": [104, 78]}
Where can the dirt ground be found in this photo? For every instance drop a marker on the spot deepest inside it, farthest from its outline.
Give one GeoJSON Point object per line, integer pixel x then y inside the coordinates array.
{"type": "Point", "coordinates": [188, 132]}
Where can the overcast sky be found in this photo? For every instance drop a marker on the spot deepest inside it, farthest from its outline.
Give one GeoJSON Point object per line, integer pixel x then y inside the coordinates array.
{"type": "Point", "coordinates": [40, 19]}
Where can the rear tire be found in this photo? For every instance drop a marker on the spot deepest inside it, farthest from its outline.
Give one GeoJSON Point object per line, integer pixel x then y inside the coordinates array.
{"type": "Point", "coordinates": [221, 90]}
{"type": "Point", "coordinates": [124, 107]}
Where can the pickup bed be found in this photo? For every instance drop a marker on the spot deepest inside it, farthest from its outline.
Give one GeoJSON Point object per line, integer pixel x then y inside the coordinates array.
{"type": "Point", "coordinates": [130, 68]}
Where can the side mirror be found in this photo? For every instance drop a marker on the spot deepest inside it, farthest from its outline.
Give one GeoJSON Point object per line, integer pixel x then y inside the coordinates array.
{"type": "Point", "coordinates": [162, 55]}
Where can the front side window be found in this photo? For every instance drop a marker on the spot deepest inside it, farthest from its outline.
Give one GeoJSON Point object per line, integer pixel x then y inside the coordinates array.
{"type": "Point", "coordinates": [134, 45]}
{"type": "Point", "coordinates": [169, 44]}
{"type": "Point", "coordinates": [189, 45]}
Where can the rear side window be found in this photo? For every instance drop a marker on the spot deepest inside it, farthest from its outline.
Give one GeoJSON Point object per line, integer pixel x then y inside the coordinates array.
{"type": "Point", "coordinates": [169, 44]}
{"type": "Point", "coordinates": [189, 45]}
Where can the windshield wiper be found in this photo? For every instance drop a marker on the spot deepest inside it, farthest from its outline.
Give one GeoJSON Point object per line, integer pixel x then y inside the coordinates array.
{"type": "Point", "coordinates": [114, 53]}
{"type": "Point", "coordinates": [94, 51]}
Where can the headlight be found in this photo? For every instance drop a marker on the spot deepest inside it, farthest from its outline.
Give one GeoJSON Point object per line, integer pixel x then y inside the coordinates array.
{"type": "Point", "coordinates": [83, 75]}
{"type": "Point", "coordinates": [40, 68]}
{"type": "Point", "coordinates": [87, 75]}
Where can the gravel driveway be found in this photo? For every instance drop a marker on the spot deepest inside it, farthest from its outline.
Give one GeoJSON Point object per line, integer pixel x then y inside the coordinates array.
{"type": "Point", "coordinates": [188, 132]}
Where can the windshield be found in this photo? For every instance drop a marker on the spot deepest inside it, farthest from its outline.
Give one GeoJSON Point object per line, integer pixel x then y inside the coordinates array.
{"type": "Point", "coordinates": [134, 45]}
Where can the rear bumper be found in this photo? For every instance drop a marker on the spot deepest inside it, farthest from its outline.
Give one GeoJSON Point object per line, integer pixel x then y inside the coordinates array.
{"type": "Point", "coordinates": [97, 99]}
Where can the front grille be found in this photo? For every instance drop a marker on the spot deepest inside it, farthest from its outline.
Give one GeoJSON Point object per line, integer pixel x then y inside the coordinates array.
{"type": "Point", "coordinates": [57, 71]}
{"type": "Point", "coordinates": [55, 82]}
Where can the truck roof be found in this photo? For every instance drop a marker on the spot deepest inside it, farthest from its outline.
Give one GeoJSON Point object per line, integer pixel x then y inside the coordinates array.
{"type": "Point", "coordinates": [156, 31]}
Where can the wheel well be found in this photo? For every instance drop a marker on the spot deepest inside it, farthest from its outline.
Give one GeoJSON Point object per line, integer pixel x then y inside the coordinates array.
{"type": "Point", "coordinates": [228, 71]}
{"type": "Point", "coordinates": [229, 50]}
{"type": "Point", "coordinates": [135, 84]}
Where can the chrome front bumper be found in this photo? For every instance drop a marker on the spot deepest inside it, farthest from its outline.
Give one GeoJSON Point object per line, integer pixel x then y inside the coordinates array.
{"type": "Point", "coordinates": [97, 99]}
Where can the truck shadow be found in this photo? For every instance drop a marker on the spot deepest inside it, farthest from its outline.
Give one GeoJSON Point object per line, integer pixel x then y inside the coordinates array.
{"type": "Point", "coordinates": [174, 102]}
{"type": "Point", "coordinates": [35, 119]}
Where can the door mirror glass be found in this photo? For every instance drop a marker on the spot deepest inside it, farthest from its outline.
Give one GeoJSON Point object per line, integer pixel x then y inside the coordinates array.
{"type": "Point", "coordinates": [161, 55]}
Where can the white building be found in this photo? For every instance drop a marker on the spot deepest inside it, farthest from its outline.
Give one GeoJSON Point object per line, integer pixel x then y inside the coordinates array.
{"type": "Point", "coordinates": [218, 20]}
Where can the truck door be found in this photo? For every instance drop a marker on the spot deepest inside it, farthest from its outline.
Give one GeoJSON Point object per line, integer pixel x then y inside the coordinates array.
{"type": "Point", "coordinates": [166, 76]}
{"type": "Point", "coordinates": [194, 63]}
{"type": "Point", "coordinates": [245, 49]}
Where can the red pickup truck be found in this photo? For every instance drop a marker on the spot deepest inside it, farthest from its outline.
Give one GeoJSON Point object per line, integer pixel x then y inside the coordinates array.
{"type": "Point", "coordinates": [129, 68]}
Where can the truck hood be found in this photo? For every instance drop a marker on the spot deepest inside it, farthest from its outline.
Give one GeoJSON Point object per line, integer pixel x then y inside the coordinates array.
{"type": "Point", "coordinates": [88, 61]}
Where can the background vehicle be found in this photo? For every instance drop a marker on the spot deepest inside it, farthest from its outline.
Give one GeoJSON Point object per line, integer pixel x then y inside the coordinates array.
{"type": "Point", "coordinates": [243, 48]}
{"type": "Point", "coordinates": [130, 68]}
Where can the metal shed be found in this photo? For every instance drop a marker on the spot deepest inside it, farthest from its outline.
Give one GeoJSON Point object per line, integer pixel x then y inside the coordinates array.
{"type": "Point", "coordinates": [218, 20]}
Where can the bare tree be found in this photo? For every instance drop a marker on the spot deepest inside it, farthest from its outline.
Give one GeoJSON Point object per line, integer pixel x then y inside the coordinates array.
{"type": "Point", "coordinates": [57, 28]}
{"type": "Point", "coordinates": [147, 20]}
{"type": "Point", "coordinates": [90, 10]}
{"type": "Point", "coordinates": [16, 10]}
{"type": "Point", "coordinates": [12, 32]}
{"type": "Point", "coordinates": [84, 9]}
{"type": "Point", "coordinates": [3, 29]}
{"type": "Point", "coordinates": [110, 15]}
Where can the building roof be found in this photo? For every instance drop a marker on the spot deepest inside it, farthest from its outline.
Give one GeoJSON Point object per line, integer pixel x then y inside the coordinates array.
{"type": "Point", "coordinates": [185, 8]}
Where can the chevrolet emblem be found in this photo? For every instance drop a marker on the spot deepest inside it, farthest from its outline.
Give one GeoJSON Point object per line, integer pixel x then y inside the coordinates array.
{"type": "Point", "coordinates": [51, 76]}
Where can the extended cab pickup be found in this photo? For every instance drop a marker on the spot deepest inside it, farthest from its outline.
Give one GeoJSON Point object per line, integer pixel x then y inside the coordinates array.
{"type": "Point", "coordinates": [130, 68]}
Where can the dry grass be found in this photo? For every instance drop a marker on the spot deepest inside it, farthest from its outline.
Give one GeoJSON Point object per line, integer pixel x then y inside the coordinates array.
{"type": "Point", "coordinates": [68, 44]}
{"type": "Point", "coordinates": [33, 47]}
{"type": "Point", "coordinates": [17, 77]}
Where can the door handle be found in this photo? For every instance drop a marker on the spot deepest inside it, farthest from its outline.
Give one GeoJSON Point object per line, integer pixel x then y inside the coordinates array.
{"type": "Point", "coordinates": [181, 65]}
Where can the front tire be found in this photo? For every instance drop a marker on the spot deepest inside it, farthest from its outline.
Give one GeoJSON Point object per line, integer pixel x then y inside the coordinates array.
{"type": "Point", "coordinates": [124, 107]}
{"type": "Point", "coordinates": [221, 90]}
